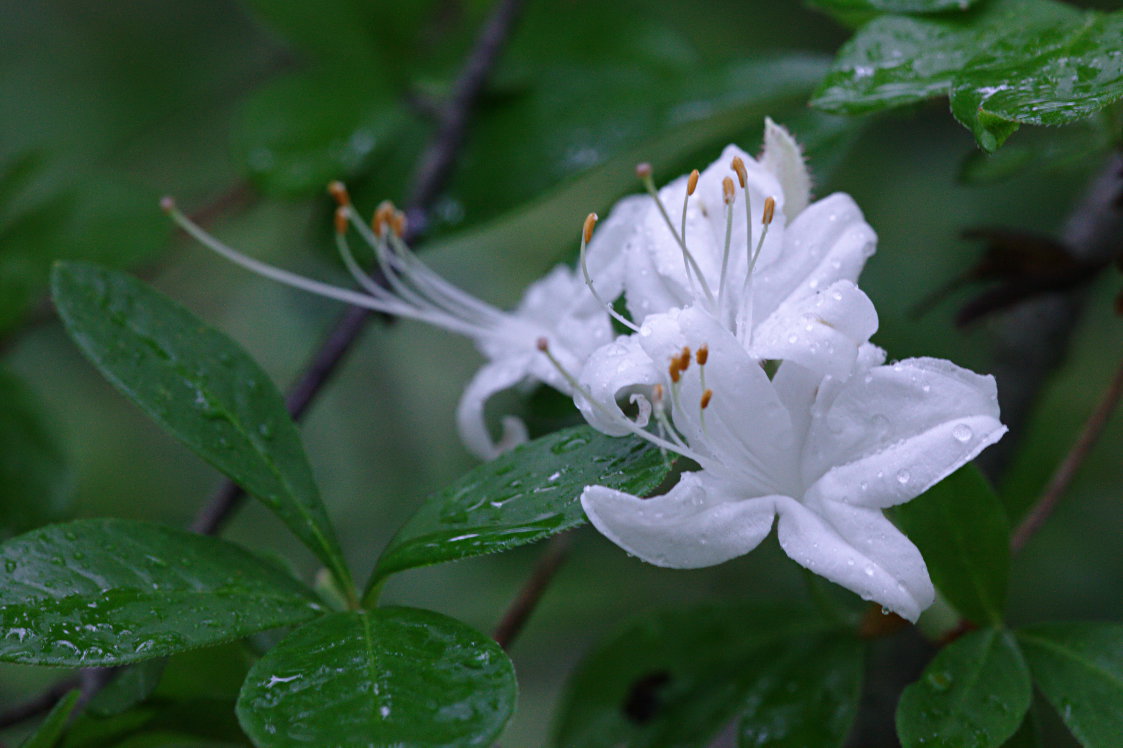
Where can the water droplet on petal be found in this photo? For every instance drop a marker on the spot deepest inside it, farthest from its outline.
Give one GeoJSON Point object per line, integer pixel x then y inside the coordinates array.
{"type": "Point", "coordinates": [903, 477]}
{"type": "Point", "coordinates": [962, 432]}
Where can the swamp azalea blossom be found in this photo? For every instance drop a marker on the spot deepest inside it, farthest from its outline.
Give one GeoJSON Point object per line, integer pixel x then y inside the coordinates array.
{"type": "Point", "coordinates": [558, 307]}
{"type": "Point", "coordinates": [742, 240]}
{"type": "Point", "coordinates": [819, 455]}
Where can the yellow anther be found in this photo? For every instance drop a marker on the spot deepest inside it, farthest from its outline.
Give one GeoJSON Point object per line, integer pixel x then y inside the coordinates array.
{"type": "Point", "coordinates": [587, 232]}
{"type": "Point", "coordinates": [684, 359]}
{"type": "Point", "coordinates": [542, 344]}
{"type": "Point", "coordinates": [382, 217]}
{"type": "Point", "coordinates": [341, 220]}
{"type": "Point", "coordinates": [742, 173]}
{"type": "Point", "coordinates": [167, 203]}
{"type": "Point", "coordinates": [657, 393]}
{"type": "Point", "coordinates": [692, 182]}
{"type": "Point", "coordinates": [399, 223]}
{"type": "Point", "coordinates": [338, 191]}
{"type": "Point", "coordinates": [706, 396]}
{"type": "Point", "coordinates": [702, 355]}
{"type": "Point", "coordinates": [769, 209]}
{"type": "Point", "coordinates": [674, 370]}
{"type": "Point", "coordinates": [727, 193]}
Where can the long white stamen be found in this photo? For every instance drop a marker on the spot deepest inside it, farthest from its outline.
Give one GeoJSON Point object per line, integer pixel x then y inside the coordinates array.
{"type": "Point", "coordinates": [649, 185]}
{"type": "Point", "coordinates": [586, 235]}
{"type": "Point", "coordinates": [727, 189]}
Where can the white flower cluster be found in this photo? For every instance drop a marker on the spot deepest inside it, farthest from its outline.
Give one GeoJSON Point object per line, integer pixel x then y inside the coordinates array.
{"type": "Point", "coordinates": [749, 354]}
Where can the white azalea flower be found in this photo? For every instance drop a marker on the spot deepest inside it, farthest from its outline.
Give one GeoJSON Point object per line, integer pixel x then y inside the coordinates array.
{"type": "Point", "coordinates": [823, 454]}
{"type": "Point", "coordinates": [764, 272]}
{"type": "Point", "coordinates": [558, 308]}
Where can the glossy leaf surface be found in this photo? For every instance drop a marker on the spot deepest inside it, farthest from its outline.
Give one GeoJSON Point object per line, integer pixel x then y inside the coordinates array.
{"type": "Point", "coordinates": [522, 496]}
{"type": "Point", "coordinates": [110, 592]}
{"type": "Point", "coordinates": [962, 531]}
{"type": "Point", "coordinates": [973, 694]}
{"type": "Point", "coordinates": [1079, 668]}
{"type": "Point", "coordinates": [674, 678]}
{"type": "Point", "coordinates": [201, 387]}
{"type": "Point", "coordinates": [35, 483]}
{"type": "Point", "coordinates": [388, 677]}
{"type": "Point", "coordinates": [895, 6]}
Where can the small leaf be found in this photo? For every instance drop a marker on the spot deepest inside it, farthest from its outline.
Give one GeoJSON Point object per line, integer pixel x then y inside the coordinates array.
{"type": "Point", "coordinates": [973, 694]}
{"type": "Point", "coordinates": [53, 727]}
{"type": "Point", "coordinates": [895, 6]}
{"type": "Point", "coordinates": [897, 60]}
{"type": "Point", "coordinates": [1079, 667]}
{"type": "Point", "coordinates": [391, 676]}
{"type": "Point", "coordinates": [675, 677]}
{"type": "Point", "coordinates": [110, 592]}
{"type": "Point", "coordinates": [809, 697]}
{"type": "Point", "coordinates": [1053, 78]}
{"type": "Point", "coordinates": [35, 484]}
{"type": "Point", "coordinates": [291, 148]}
{"type": "Point", "coordinates": [962, 531]}
{"type": "Point", "coordinates": [521, 497]}
{"type": "Point", "coordinates": [200, 386]}
{"type": "Point", "coordinates": [128, 688]}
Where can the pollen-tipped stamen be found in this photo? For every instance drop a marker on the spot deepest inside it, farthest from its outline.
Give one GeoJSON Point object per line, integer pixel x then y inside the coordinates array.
{"type": "Point", "coordinates": [643, 171]}
{"type": "Point", "coordinates": [727, 196]}
{"type": "Point", "coordinates": [586, 236]}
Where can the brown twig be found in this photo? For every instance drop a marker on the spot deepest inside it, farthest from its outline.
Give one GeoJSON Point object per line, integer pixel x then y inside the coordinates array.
{"type": "Point", "coordinates": [532, 590]}
{"type": "Point", "coordinates": [1066, 471]}
{"type": "Point", "coordinates": [433, 170]}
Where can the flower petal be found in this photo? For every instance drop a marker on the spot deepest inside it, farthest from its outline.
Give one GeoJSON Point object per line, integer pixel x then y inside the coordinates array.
{"type": "Point", "coordinates": [829, 241]}
{"type": "Point", "coordinates": [616, 373]}
{"type": "Point", "coordinates": [858, 548]}
{"type": "Point", "coordinates": [892, 433]}
{"type": "Point", "coordinates": [700, 522]}
{"type": "Point", "coordinates": [470, 420]}
{"type": "Point", "coordinates": [783, 157]}
{"type": "Point", "coordinates": [606, 255]}
{"type": "Point", "coordinates": [822, 331]}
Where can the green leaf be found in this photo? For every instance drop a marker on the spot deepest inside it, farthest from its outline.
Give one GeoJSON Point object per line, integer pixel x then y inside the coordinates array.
{"type": "Point", "coordinates": [291, 148]}
{"type": "Point", "coordinates": [161, 723]}
{"type": "Point", "coordinates": [110, 592]}
{"type": "Point", "coordinates": [130, 687]}
{"type": "Point", "coordinates": [328, 28]}
{"type": "Point", "coordinates": [53, 727]}
{"type": "Point", "coordinates": [391, 676]}
{"type": "Point", "coordinates": [1079, 668]}
{"type": "Point", "coordinates": [675, 677]}
{"type": "Point", "coordinates": [808, 698]}
{"type": "Point", "coordinates": [962, 531]}
{"type": "Point", "coordinates": [200, 386]}
{"type": "Point", "coordinates": [521, 497]}
{"type": "Point", "coordinates": [35, 483]}
{"type": "Point", "coordinates": [896, 60]}
{"type": "Point", "coordinates": [973, 694]}
{"type": "Point", "coordinates": [1053, 78]}
{"type": "Point", "coordinates": [895, 6]}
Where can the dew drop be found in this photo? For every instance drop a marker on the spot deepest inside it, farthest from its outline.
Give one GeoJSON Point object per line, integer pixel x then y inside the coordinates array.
{"type": "Point", "coordinates": [903, 477]}
{"type": "Point", "coordinates": [962, 432]}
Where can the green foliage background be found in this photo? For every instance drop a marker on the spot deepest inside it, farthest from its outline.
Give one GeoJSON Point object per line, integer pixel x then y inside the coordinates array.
{"type": "Point", "coordinates": [106, 106]}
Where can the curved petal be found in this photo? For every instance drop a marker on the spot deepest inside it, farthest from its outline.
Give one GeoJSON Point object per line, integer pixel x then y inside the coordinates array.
{"type": "Point", "coordinates": [783, 157]}
{"type": "Point", "coordinates": [700, 522]}
{"type": "Point", "coordinates": [619, 371]}
{"type": "Point", "coordinates": [822, 331]}
{"type": "Point", "coordinates": [892, 433]}
{"type": "Point", "coordinates": [858, 548]}
{"type": "Point", "coordinates": [470, 420]}
{"type": "Point", "coordinates": [829, 241]}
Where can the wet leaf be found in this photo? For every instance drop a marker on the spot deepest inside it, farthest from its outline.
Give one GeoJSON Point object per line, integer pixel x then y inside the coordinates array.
{"type": "Point", "coordinates": [110, 592]}
{"type": "Point", "coordinates": [1053, 78]}
{"type": "Point", "coordinates": [973, 694]}
{"type": "Point", "coordinates": [202, 388]}
{"type": "Point", "coordinates": [35, 484]}
{"type": "Point", "coordinates": [895, 6]}
{"type": "Point", "coordinates": [1079, 668]}
{"type": "Point", "coordinates": [962, 531]}
{"type": "Point", "coordinates": [521, 497]}
{"type": "Point", "coordinates": [391, 676]}
{"type": "Point", "coordinates": [675, 677]}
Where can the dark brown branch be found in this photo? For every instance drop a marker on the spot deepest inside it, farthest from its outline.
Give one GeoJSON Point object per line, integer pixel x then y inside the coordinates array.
{"type": "Point", "coordinates": [1066, 471]}
{"type": "Point", "coordinates": [430, 177]}
{"type": "Point", "coordinates": [531, 593]}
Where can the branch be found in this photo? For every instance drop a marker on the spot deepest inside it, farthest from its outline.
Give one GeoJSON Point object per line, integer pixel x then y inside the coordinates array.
{"type": "Point", "coordinates": [1066, 471]}
{"type": "Point", "coordinates": [432, 172]}
{"type": "Point", "coordinates": [510, 626]}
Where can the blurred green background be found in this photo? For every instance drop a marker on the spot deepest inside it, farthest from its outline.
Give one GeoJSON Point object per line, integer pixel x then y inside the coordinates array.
{"type": "Point", "coordinates": [246, 109]}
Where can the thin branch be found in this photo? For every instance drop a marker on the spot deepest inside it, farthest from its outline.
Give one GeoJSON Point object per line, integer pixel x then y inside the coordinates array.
{"type": "Point", "coordinates": [511, 625]}
{"type": "Point", "coordinates": [430, 177]}
{"type": "Point", "coordinates": [1066, 471]}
